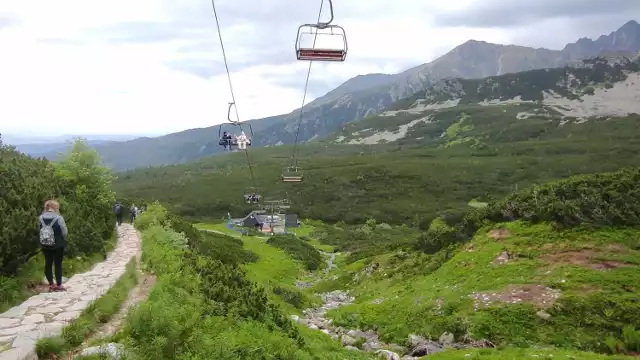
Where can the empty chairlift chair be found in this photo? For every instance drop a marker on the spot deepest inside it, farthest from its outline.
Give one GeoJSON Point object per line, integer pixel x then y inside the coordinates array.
{"type": "Point", "coordinates": [292, 174]}
{"type": "Point", "coordinates": [333, 35]}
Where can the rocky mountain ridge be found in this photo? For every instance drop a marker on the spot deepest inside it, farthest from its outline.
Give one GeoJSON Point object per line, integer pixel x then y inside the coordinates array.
{"type": "Point", "coordinates": [598, 88]}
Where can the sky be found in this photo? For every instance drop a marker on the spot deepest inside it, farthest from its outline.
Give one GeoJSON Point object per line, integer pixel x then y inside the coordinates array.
{"type": "Point", "coordinates": [155, 66]}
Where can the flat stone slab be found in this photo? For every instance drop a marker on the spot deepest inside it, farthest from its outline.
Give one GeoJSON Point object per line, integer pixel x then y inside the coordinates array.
{"type": "Point", "coordinates": [46, 314]}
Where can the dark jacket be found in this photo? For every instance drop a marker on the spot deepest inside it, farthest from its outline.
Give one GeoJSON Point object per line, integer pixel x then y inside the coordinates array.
{"type": "Point", "coordinates": [59, 229]}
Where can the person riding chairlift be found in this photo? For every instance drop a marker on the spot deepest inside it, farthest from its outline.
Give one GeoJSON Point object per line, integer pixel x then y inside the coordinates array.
{"type": "Point", "coordinates": [242, 141]}
{"type": "Point", "coordinates": [227, 140]}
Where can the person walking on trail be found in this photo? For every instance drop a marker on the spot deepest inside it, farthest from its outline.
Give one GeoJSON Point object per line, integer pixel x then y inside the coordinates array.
{"type": "Point", "coordinates": [134, 213]}
{"type": "Point", "coordinates": [118, 211]}
{"type": "Point", "coordinates": [242, 141]}
{"type": "Point", "coordinates": [53, 239]}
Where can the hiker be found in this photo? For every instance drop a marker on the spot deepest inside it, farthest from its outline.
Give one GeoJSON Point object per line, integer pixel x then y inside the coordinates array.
{"type": "Point", "coordinates": [118, 211]}
{"type": "Point", "coordinates": [134, 213]}
{"type": "Point", "coordinates": [225, 140]}
{"type": "Point", "coordinates": [53, 238]}
{"type": "Point", "coordinates": [242, 141]}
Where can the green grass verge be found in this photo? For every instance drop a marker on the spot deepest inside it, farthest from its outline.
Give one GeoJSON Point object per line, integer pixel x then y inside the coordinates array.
{"type": "Point", "coordinates": [97, 313]}
{"type": "Point", "coordinates": [520, 353]}
{"type": "Point", "coordinates": [17, 289]}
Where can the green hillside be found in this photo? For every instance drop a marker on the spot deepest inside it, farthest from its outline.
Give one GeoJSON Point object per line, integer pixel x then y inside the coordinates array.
{"type": "Point", "coordinates": [451, 155]}
{"type": "Point", "coordinates": [547, 272]}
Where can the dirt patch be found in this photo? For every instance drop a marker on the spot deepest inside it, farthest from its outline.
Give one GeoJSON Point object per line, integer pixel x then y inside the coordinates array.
{"type": "Point", "coordinates": [617, 248]}
{"type": "Point", "coordinates": [584, 258]}
{"type": "Point", "coordinates": [538, 295]}
{"type": "Point", "coordinates": [499, 234]}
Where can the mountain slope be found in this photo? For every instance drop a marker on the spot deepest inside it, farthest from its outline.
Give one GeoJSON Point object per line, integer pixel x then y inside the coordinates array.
{"type": "Point", "coordinates": [460, 140]}
{"type": "Point", "coordinates": [462, 110]}
{"type": "Point", "coordinates": [362, 96]}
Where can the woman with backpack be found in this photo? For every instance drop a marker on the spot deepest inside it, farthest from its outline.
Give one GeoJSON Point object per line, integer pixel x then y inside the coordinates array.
{"type": "Point", "coordinates": [53, 238]}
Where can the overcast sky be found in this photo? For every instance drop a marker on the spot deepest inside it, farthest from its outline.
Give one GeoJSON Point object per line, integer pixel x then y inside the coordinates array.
{"type": "Point", "coordinates": [155, 66]}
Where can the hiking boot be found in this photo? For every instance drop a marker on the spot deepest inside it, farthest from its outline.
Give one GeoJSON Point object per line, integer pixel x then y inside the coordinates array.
{"type": "Point", "coordinates": [60, 288]}
{"type": "Point", "coordinates": [52, 288]}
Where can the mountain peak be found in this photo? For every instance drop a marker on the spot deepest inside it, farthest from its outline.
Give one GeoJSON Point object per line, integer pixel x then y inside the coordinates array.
{"type": "Point", "coordinates": [625, 39]}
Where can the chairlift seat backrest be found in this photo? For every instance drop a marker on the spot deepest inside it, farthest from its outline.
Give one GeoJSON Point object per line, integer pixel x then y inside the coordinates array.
{"type": "Point", "coordinates": [322, 54]}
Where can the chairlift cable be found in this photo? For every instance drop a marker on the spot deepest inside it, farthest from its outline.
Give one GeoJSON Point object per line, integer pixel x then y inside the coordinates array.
{"type": "Point", "coordinates": [294, 161]}
{"type": "Point", "coordinates": [233, 97]}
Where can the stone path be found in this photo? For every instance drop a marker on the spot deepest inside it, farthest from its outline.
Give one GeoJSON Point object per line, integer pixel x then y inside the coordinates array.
{"type": "Point", "coordinates": [45, 314]}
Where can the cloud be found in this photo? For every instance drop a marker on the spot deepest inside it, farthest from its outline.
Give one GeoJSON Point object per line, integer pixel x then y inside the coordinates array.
{"type": "Point", "coordinates": [6, 22]}
{"type": "Point", "coordinates": [155, 66]}
{"type": "Point", "coordinates": [506, 13]}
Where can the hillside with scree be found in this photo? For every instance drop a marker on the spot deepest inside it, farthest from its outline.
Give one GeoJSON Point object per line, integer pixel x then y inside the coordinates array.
{"type": "Point", "coordinates": [542, 102]}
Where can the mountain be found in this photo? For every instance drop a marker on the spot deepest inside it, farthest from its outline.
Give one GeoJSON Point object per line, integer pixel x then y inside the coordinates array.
{"type": "Point", "coordinates": [469, 110]}
{"type": "Point", "coordinates": [367, 95]}
{"type": "Point", "coordinates": [625, 39]}
{"type": "Point", "coordinates": [458, 140]}
{"type": "Point", "coordinates": [30, 140]}
{"type": "Point", "coordinates": [49, 146]}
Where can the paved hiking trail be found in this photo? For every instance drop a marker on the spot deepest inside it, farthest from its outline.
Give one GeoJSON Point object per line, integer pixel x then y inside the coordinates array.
{"type": "Point", "coordinates": [45, 314]}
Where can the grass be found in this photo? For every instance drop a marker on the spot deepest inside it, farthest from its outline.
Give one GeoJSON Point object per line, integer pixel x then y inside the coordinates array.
{"type": "Point", "coordinates": [520, 353]}
{"type": "Point", "coordinates": [275, 269]}
{"type": "Point", "coordinates": [217, 227]}
{"type": "Point", "coordinates": [477, 204]}
{"type": "Point", "coordinates": [15, 290]}
{"type": "Point", "coordinates": [580, 317]}
{"type": "Point", "coordinates": [97, 313]}
{"type": "Point", "coordinates": [298, 249]}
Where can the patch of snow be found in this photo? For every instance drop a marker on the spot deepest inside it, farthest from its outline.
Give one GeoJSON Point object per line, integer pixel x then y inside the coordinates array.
{"type": "Point", "coordinates": [314, 137]}
{"type": "Point", "coordinates": [515, 100]}
{"type": "Point", "coordinates": [621, 100]}
{"type": "Point", "coordinates": [418, 108]}
{"type": "Point", "coordinates": [391, 136]}
{"type": "Point", "coordinates": [340, 138]}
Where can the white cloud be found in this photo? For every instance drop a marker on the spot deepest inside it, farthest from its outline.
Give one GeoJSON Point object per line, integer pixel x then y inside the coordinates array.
{"type": "Point", "coordinates": [62, 70]}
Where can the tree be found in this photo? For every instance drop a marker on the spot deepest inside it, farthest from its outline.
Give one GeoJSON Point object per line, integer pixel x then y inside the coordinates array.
{"type": "Point", "coordinates": [87, 198]}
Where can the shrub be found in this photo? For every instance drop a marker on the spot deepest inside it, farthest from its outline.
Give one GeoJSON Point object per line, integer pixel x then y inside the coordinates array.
{"type": "Point", "coordinates": [298, 249]}
{"type": "Point", "coordinates": [87, 199]}
{"type": "Point", "coordinates": [201, 307]}
{"type": "Point", "coordinates": [26, 184]}
{"type": "Point", "coordinates": [82, 187]}
{"type": "Point", "coordinates": [439, 236]}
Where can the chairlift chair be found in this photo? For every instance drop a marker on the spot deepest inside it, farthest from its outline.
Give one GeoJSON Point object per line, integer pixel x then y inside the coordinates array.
{"type": "Point", "coordinates": [292, 174]}
{"type": "Point", "coordinates": [252, 195]}
{"type": "Point", "coordinates": [324, 30]}
{"type": "Point", "coordinates": [233, 141]}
